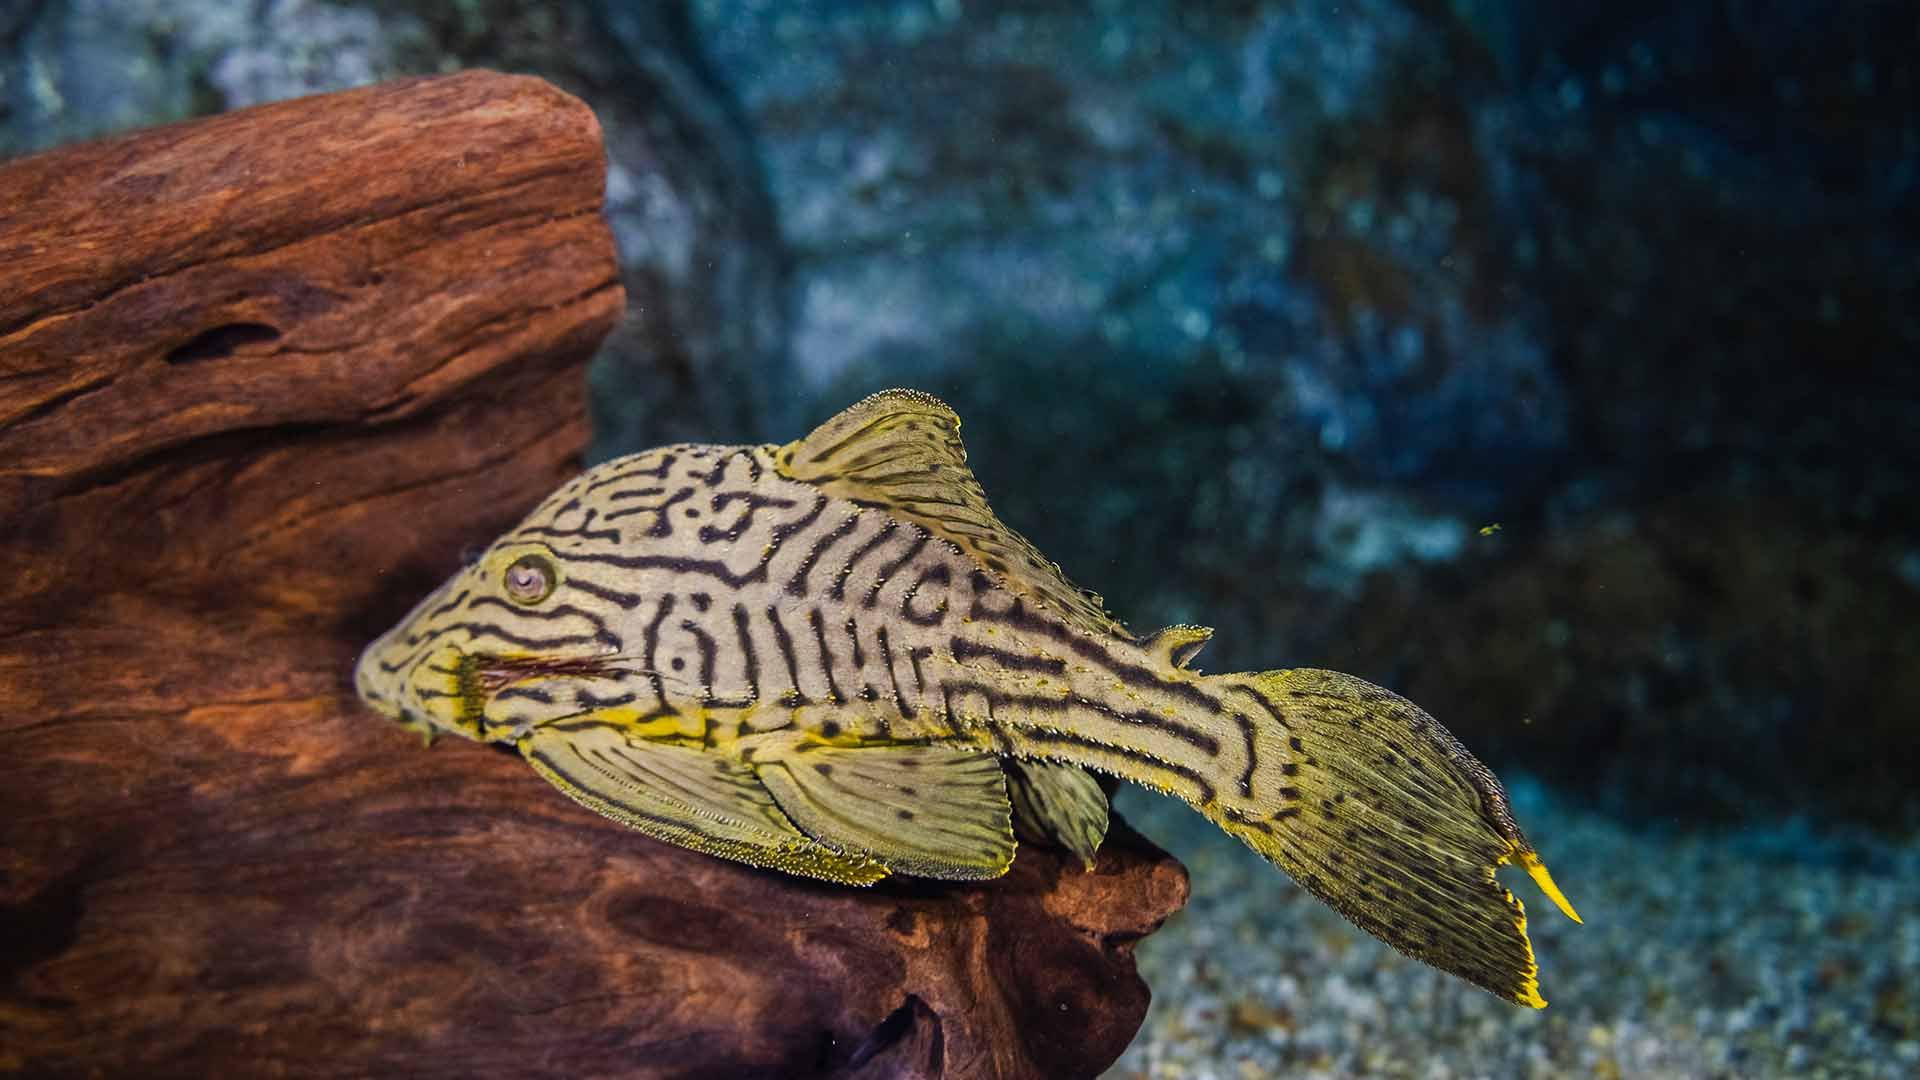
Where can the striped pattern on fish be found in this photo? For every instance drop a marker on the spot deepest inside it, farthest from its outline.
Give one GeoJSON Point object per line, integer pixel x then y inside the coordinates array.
{"type": "Point", "coordinates": [831, 658]}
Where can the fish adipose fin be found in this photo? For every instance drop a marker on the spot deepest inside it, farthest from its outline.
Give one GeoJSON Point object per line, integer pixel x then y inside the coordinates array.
{"type": "Point", "coordinates": [684, 796]}
{"type": "Point", "coordinates": [1060, 805]}
{"type": "Point", "coordinates": [932, 811]}
{"type": "Point", "coordinates": [1176, 646]}
{"type": "Point", "coordinates": [900, 451]}
{"type": "Point", "coordinates": [1387, 818]}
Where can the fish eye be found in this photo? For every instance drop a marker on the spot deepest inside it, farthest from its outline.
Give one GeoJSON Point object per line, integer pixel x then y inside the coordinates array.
{"type": "Point", "coordinates": [530, 579]}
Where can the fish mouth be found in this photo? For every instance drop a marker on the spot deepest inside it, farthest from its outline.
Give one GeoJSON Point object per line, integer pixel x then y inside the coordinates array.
{"type": "Point", "coordinates": [454, 689]}
{"type": "Point", "coordinates": [381, 688]}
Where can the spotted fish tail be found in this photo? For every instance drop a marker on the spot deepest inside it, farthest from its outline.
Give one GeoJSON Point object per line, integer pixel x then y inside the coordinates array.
{"type": "Point", "coordinates": [1389, 820]}
{"type": "Point", "coordinates": [1358, 794]}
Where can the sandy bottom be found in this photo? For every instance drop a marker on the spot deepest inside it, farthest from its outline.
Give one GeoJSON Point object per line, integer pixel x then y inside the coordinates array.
{"type": "Point", "coordinates": [1706, 953]}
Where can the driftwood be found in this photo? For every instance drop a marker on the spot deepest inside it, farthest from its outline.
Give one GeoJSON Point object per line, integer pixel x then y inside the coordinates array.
{"type": "Point", "coordinates": [262, 378]}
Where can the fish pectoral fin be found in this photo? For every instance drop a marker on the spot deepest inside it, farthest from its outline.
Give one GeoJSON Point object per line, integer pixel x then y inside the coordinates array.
{"type": "Point", "coordinates": [1057, 804]}
{"type": "Point", "coordinates": [932, 811]}
{"type": "Point", "coordinates": [693, 798]}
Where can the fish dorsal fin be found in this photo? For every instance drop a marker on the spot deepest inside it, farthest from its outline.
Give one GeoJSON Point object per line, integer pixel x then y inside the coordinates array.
{"type": "Point", "coordinates": [684, 796]}
{"type": "Point", "coordinates": [1176, 646]}
{"type": "Point", "coordinates": [932, 811]}
{"type": "Point", "coordinates": [900, 451]}
{"type": "Point", "coordinates": [1057, 804]}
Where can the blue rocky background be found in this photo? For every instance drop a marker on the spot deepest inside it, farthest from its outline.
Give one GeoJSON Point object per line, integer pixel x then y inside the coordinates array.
{"type": "Point", "coordinates": [1554, 364]}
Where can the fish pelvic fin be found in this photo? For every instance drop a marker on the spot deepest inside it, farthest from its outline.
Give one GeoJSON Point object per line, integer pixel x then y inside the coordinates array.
{"type": "Point", "coordinates": [1058, 805]}
{"type": "Point", "coordinates": [1378, 810]}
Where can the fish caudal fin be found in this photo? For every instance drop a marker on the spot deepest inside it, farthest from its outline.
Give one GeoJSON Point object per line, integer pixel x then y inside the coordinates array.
{"type": "Point", "coordinates": [1381, 813]}
{"type": "Point", "coordinates": [1354, 791]}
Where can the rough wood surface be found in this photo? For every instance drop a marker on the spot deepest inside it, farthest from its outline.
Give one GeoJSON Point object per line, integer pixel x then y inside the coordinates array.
{"type": "Point", "coordinates": [262, 378]}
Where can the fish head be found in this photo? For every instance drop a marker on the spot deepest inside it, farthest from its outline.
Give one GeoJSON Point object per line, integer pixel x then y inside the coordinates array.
{"type": "Point", "coordinates": [508, 621]}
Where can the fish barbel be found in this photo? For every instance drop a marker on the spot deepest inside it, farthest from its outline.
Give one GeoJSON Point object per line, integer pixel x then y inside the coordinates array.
{"type": "Point", "coordinates": [830, 658]}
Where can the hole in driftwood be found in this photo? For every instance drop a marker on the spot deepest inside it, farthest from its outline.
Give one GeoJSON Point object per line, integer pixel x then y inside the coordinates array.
{"type": "Point", "coordinates": [895, 1027]}
{"type": "Point", "coordinates": [223, 341]}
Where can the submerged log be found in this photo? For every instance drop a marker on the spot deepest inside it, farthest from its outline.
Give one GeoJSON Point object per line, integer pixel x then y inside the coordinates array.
{"type": "Point", "coordinates": [262, 378]}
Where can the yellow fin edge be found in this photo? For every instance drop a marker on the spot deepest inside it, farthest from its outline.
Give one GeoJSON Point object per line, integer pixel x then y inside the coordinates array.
{"type": "Point", "coordinates": [1529, 994]}
{"type": "Point", "coordinates": [1537, 870]}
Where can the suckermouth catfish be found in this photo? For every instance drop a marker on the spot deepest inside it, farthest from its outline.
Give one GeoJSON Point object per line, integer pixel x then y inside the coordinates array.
{"type": "Point", "coordinates": [830, 658]}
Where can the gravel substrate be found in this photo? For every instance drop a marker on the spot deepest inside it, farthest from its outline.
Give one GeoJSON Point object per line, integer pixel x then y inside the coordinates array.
{"type": "Point", "coordinates": [1706, 953]}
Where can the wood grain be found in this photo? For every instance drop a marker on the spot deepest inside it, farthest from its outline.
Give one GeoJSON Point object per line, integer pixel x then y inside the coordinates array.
{"type": "Point", "coordinates": [262, 378]}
